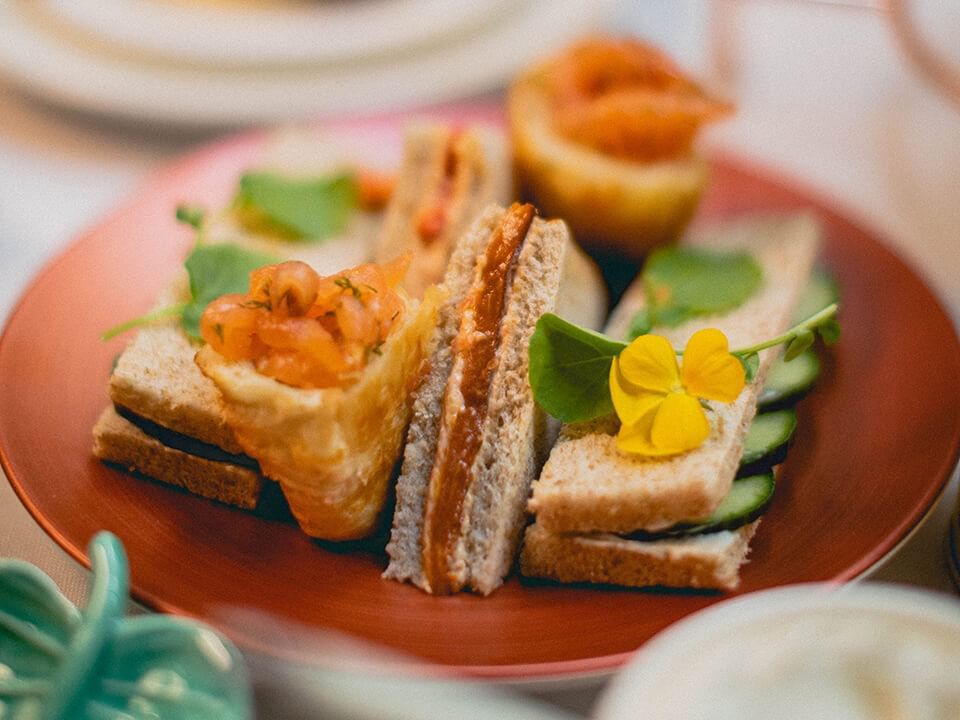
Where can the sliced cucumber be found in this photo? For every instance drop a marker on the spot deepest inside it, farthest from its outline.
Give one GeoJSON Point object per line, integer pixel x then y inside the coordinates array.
{"type": "Point", "coordinates": [821, 290]}
{"type": "Point", "coordinates": [787, 381]}
{"type": "Point", "coordinates": [746, 501]}
{"type": "Point", "coordinates": [767, 441]}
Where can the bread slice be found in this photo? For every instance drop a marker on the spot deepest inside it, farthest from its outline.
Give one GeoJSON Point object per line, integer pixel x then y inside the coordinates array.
{"type": "Point", "coordinates": [118, 441]}
{"type": "Point", "coordinates": [469, 168]}
{"type": "Point", "coordinates": [587, 485]}
{"type": "Point", "coordinates": [156, 378]}
{"type": "Point", "coordinates": [709, 561]}
{"type": "Point", "coordinates": [516, 434]}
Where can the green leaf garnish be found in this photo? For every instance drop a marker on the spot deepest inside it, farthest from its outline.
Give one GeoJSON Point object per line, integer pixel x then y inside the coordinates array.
{"type": "Point", "coordinates": [570, 369]}
{"type": "Point", "coordinates": [751, 363]}
{"type": "Point", "coordinates": [639, 324]}
{"type": "Point", "coordinates": [297, 208]}
{"type": "Point", "coordinates": [682, 283]}
{"type": "Point", "coordinates": [829, 331]}
{"type": "Point", "coordinates": [217, 270]}
{"type": "Point", "coordinates": [800, 342]}
{"type": "Point", "coordinates": [570, 365]}
{"type": "Point", "coordinates": [800, 336]}
{"type": "Point", "coordinates": [145, 319]}
{"type": "Point", "coordinates": [191, 215]}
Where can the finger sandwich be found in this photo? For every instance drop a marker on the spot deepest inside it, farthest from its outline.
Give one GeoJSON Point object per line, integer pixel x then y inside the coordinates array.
{"type": "Point", "coordinates": [592, 501]}
{"type": "Point", "coordinates": [477, 439]}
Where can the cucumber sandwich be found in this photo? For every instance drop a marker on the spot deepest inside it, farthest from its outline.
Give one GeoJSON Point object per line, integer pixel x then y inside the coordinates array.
{"type": "Point", "coordinates": [603, 515]}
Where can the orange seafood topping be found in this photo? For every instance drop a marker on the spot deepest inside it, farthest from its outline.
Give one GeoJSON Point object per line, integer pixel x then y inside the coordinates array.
{"type": "Point", "coordinates": [431, 219]}
{"type": "Point", "coordinates": [374, 188]}
{"type": "Point", "coordinates": [627, 99]}
{"type": "Point", "coordinates": [305, 330]}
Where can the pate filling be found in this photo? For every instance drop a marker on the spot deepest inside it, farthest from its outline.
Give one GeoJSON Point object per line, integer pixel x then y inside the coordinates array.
{"type": "Point", "coordinates": [465, 400]}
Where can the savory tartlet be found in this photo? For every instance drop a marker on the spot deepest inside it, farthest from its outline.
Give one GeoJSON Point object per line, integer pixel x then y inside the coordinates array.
{"type": "Point", "coordinates": [603, 137]}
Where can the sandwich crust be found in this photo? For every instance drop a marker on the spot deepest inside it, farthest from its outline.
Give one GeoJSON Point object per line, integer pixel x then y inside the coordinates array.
{"type": "Point", "coordinates": [706, 561]}
{"type": "Point", "coordinates": [118, 441]}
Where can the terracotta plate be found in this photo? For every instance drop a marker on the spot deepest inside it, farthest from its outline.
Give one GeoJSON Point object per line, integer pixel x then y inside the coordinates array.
{"type": "Point", "coordinates": [877, 441]}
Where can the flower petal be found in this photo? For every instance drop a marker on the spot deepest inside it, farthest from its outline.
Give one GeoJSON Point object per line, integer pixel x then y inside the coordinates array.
{"type": "Point", "coordinates": [634, 438]}
{"type": "Point", "coordinates": [650, 363]}
{"type": "Point", "coordinates": [679, 424]}
{"type": "Point", "coordinates": [629, 402]}
{"type": "Point", "coordinates": [709, 370]}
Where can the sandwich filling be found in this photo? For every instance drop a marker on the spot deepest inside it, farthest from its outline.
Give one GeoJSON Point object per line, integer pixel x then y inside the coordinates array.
{"type": "Point", "coordinates": [433, 216]}
{"type": "Point", "coordinates": [466, 396]}
{"type": "Point", "coordinates": [185, 443]}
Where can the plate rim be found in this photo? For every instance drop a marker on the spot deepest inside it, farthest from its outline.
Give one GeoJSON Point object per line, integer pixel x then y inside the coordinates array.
{"type": "Point", "coordinates": [517, 673]}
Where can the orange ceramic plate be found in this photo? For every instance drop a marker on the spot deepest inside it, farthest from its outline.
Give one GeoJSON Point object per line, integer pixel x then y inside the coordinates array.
{"type": "Point", "coordinates": [876, 443]}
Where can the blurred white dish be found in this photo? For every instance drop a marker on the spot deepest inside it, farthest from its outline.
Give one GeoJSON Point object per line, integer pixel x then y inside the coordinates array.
{"type": "Point", "coordinates": [62, 68]}
{"type": "Point", "coordinates": [258, 32]}
{"type": "Point", "coordinates": [799, 653]}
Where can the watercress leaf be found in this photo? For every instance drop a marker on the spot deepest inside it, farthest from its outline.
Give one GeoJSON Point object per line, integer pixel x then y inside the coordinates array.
{"type": "Point", "coordinates": [699, 281]}
{"type": "Point", "coordinates": [570, 369]}
{"type": "Point", "coordinates": [751, 363]}
{"type": "Point", "coordinates": [306, 209]}
{"type": "Point", "coordinates": [217, 270]}
{"type": "Point", "coordinates": [801, 341]}
{"type": "Point", "coordinates": [829, 331]}
{"type": "Point", "coordinates": [639, 324]}
{"type": "Point", "coordinates": [670, 315]}
{"type": "Point", "coordinates": [191, 215]}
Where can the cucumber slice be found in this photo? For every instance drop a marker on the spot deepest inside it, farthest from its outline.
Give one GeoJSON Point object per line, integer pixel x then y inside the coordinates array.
{"type": "Point", "coordinates": [746, 501]}
{"type": "Point", "coordinates": [821, 290]}
{"type": "Point", "coordinates": [787, 381]}
{"type": "Point", "coordinates": [767, 441]}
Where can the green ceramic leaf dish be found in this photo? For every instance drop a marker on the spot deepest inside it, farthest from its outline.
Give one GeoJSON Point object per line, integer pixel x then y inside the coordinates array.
{"type": "Point", "coordinates": [57, 662]}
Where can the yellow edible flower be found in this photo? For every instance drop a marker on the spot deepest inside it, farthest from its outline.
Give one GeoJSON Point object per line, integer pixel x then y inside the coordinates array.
{"type": "Point", "coordinates": [658, 402]}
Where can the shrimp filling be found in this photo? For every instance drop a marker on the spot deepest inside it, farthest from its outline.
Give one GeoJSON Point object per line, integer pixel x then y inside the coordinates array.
{"type": "Point", "coordinates": [305, 330]}
{"type": "Point", "coordinates": [628, 100]}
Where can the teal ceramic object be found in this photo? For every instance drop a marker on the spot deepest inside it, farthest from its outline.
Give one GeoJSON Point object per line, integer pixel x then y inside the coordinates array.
{"type": "Point", "coordinates": [57, 663]}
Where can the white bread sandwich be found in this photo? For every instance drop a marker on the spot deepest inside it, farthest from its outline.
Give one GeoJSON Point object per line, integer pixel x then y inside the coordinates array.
{"type": "Point", "coordinates": [164, 421]}
{"type": "Point", "coordinates": [477, 438]}
{"type": "Point", "coordinates": [446, 178]}
{"type": "Point", "coordinates": [603, 515]}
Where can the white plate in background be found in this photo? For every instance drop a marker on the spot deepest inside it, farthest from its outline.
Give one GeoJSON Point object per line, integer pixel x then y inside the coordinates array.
{"type": "Point", "coordinates": [83, 76]}
{"type": "Point", "coordinates": [252, 33]}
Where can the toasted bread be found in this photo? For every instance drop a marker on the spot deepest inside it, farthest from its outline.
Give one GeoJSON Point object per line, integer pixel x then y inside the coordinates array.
{"type": "Point", "coordinates": [118, 441]}
{"type": "Point", "coordinates": [710, 561]}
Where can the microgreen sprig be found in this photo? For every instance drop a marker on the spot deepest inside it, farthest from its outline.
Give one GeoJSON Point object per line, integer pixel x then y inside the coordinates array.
{"type": "Point", "coordinates": [797, 339]}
